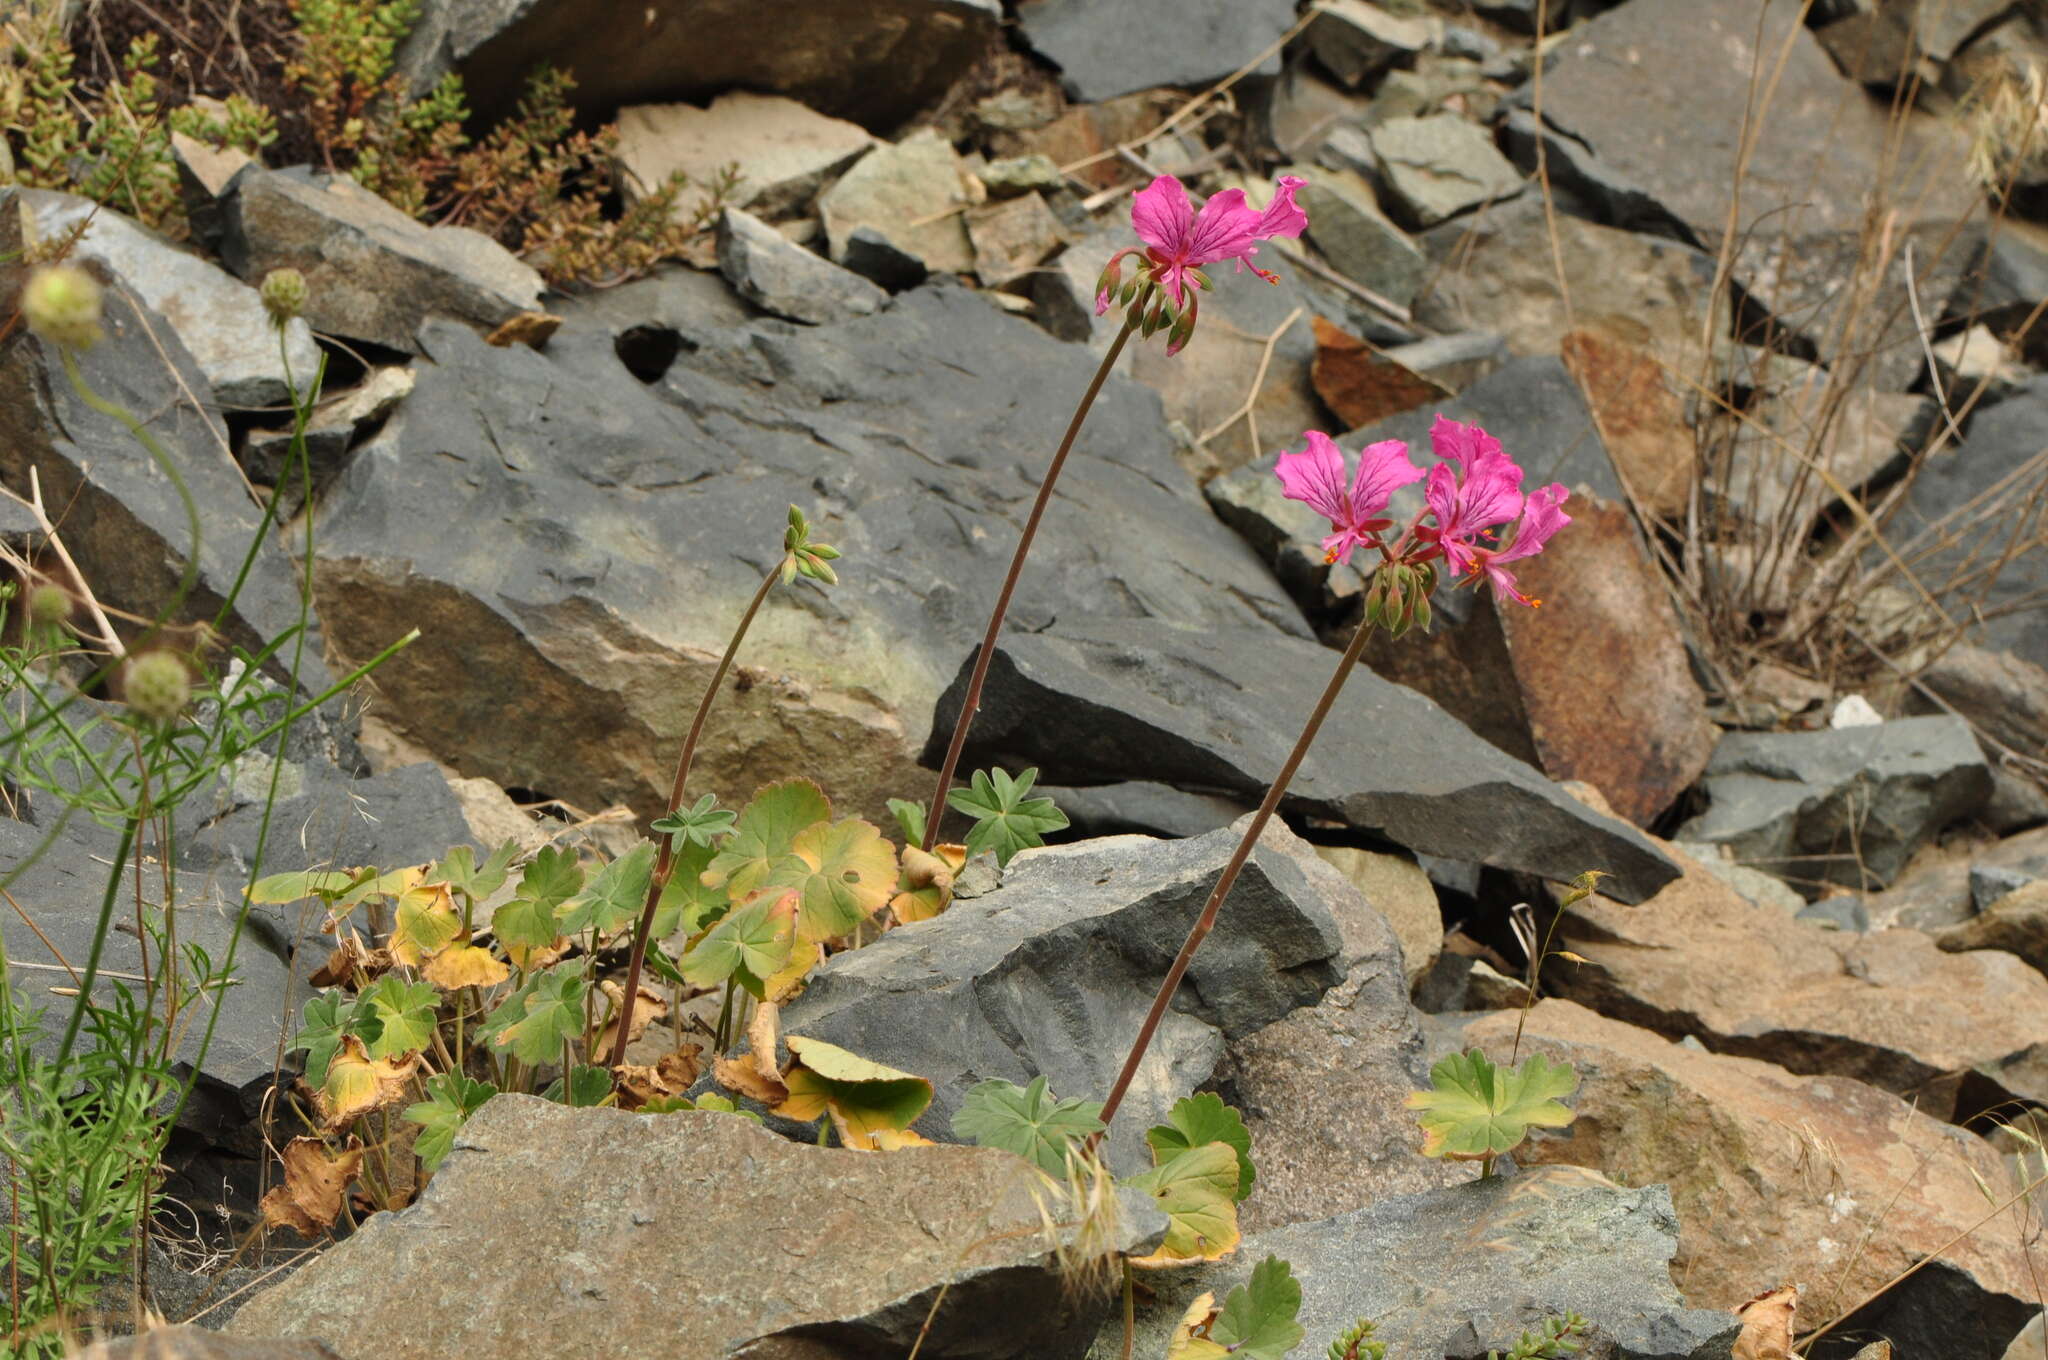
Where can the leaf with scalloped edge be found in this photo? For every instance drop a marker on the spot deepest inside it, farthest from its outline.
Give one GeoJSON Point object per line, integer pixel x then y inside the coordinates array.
{"type": "Point", "coordinates": [1475, 1110]}
{"type": "Point", "coordinates": [1197, 1191]}
{"type": "Point", "coordinates": [762, 840]}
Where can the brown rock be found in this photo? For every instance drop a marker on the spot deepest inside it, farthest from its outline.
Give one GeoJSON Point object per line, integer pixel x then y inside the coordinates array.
{"type": "Point", "coordinates": [1091, 131]}
{"type": "Point", "coordinates": [197, 1343]}
{"type": "Point", "coordinates": [1603, 657]}
{"type": "Point", "coordinates": [1401, 892]}
{"type": "Point", "coordinates": [783, 149]}
{"type": "Point", "coordinates": [1888, 1008]}
{"type": "Point", "coordinates": [1011, 238]}
{"type": "Point", "coordinates": [1641, 417]}
{"type": "Point", "coordinates": [784, 1251]}
{"type": "Point", "coordinates": [2016, 923]}
{"type": "Point", "coordinates": [1774, 1176]}
{"type": "Point", "coordinates": [1321, 1089]}
{"type": "Point", "coordinates": [1359, 385]}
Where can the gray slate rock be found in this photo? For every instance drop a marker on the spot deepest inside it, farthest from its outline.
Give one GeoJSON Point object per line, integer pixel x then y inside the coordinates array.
{"type": "Point", "coordinates": [1143, 807]}
{"type": "Point", "coordinates": [220, 318]}
{"type": "Point", "coordinates": [845, 1251]}
{"type": "Point", "coordinates": [1650, 151]}
{"type": "Point", "coordinates": [1051, 974]}
{"type": "Point", "coordinates": [1437, 167]}
{"type": "Point", "coordinates": [372, 273]}
{"type": "Point", "coordinates": [876, 62]}
{"type": "Point", "coordinates": [877, 259]}
{"type": "Point", "coordinates": [2008, 280]}
{"type": "Point", "coordinates": [1093, 699]}
{"type": "Point", "coordinates": [1999, 443]}
{"type": "Point", "coordinates": [1849, 805]}
{"type": "Point", "coordinates": [600, 499]}
{"type": "Point", "coordinates": [1556, 1239]}
{"type": "Point", "coordinates": [1107, 50]}
{"type": "Point", "coordinates": [123, 521]}
{"type": "Point", "coordinates": [782, 278]}
{"type": "Point", "coordinates": [1355, 40]}
{"type": "Point", "coordinates": [904, 191]}
{"type": "Point", "coordinates": [1345, 223]}
{"type": "Point", "coordinates": [62, 890]}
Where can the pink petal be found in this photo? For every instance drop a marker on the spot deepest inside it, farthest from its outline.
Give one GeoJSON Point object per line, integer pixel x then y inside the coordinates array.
{"type": "Point", "coordinates": [1315, 477]}
{"type": "Point", "coordinates": [1383, 468]}
{"type": "Point", "coordinates": [1161, 216]}
{"type": "Point", "coordinates": [1223, 231]}
{"type": "Point", "coordinates": [1282, 216]}
{"type": "Point", "coordinates": [1542, 516]}
{"type": "Point", "coordinates": [1492, 493]}
{"type": "Point", "coordinates": [1459, 442]}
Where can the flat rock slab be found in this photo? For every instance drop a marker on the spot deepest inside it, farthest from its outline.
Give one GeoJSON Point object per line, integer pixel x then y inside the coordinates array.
{"type": "Point", "coordinates": [1847, 805]}
{"type": "Point", "coordinates": [786, 1251]}
{"type": "Point", "coordinates": [123, 520]}
{"type": "Point", "coordinates": [614, 529]}
{"type": "Point", "coordinates": [1104, 51]}
{"type": "Point", "coordinates": [783, 279]}
{"type": "Point", "coordinates": [2016, 923]}
{"type": "Point", "coordinates": [62, 891]}
{"type": "Point", "coordinates": [784, 150]}
{"type": "Point", "coordinates": [1654, 151]}
{"type": "Point", "coordinates": [2003, 445]}
{"type": "Point", "coordinates": [1052, 974]}
{"type": "Point", "coordinates": [1887, 1008]}
{"type": "Point", "coordinates": [1782, 1177]}
{"type": "Point", "coordinates": [876, 62]}
{"type": "Point", "coordinates": [1554, 1239]}
{"type": "Point", "coordinates": [1440, 166]}
{"type": "Point", "coordinates": [372, 273]}
{"type": "Point", "coordinates": [910, 192]}
{"type": "Point", "coordinates": [221, 319]}
{"type": "Point", "coordinates": [1091, 700]}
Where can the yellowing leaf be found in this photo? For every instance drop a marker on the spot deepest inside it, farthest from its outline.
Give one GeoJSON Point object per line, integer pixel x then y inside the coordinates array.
{"type": "Point", "coordinates": [651, 1006]}
{"type": "Point", "coordinates": [427, 923]}
{"type": "Point", "coordinates": [465, 965]}
{"type": "Point", "coordinates": [1197, 1190]}
{"type": "Point", "coordinates": [751, 943]}
{"type": "Point", "coordinates": [1191, 1335]}
{"type": "Point", "coordinates": [1475, 1110]}
{"type": "Point", "coordinates": [762, 838]}
{"type": "Point", "coordinates": [845, 872]}
{"type": "Point", "coordinates": [895, 1140]}
{"type": "Point", "coordinates": [783, 984]}
{"type": "Point", "coordinates": [758, 1072]}
{"type": "Point", "coordinates": [861, 1097]}
{"type": "Point", "coordinates": [925, 887]}
{"type": "Point", "coordinates": [315, 1178]}
{"type": "Point", "coordinates": [1767, 1325]}
{"type": "Point", "coordinates": [356, 1084]}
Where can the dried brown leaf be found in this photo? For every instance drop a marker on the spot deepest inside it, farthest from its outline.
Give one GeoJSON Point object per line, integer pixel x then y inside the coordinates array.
{"type": "Point", "coordinates": [315, 1179]}
{"type": "Point", "coordinates": [1767, 1323]}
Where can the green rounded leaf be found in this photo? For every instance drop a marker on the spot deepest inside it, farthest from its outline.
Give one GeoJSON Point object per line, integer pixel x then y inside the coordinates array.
{"type": "Point", "coordinates": [1204, 1118]}
{"type": "Point", "coordinates": [1475, 1110]}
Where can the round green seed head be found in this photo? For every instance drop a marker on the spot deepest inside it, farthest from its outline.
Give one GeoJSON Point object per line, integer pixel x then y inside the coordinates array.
{"type": "Point", "coordinates": [157, 685]}
{"type": "Point", "coordinates": [284, 294]}
{"type": "Point", "coordinates": [62, 303]}
{"type": "Point", "coordinates": [49, 606]}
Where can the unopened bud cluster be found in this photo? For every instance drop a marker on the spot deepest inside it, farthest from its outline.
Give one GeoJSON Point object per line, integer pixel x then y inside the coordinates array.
{"type": "Point", "coordinates": [157, 685]}
{"type": "Point", "coordinates": [1397, 598]}
{"type": "Point", "coordinates": [1148, 307]}
{"type": "Point", "coordinates": [803, 557]}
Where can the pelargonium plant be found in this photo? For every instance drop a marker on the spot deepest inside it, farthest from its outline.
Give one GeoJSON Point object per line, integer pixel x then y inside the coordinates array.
{"type": "Point", "coordinates": [1475, 519]}
{"type": "Point", "coordinates": [1161, 293]}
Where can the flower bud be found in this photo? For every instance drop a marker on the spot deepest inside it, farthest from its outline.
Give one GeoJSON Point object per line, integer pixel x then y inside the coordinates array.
{"type": "Point", "coordinates": [284, 295]}
{"type": "Point", "coordinates": [49, 606]}
{"type": "Point", "coordinates": [62, 304]}
{"type": "Point", "coordinates": [157, 685]}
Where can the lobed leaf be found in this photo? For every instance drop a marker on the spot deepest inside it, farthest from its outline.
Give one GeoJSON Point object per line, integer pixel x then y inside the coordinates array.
{"type": "Point", "coordinates": [1204, 1118]}
{"type": "Point", "coordinates": [1027, 1120]}
{"type": "Point", "coordinates": [1475, 1110]}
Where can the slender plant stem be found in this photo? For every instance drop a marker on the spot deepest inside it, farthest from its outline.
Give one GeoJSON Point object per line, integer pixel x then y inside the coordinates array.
{"type": "Point", "coordinates": [936, 813]}
{"type": "Point", "coordinates": [665, 858]}
{"type": "Point", "coordinates": [1207, 920]}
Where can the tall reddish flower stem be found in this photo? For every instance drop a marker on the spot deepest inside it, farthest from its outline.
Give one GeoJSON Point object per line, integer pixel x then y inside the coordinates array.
{"type": "Point", "coordinates": [937, 811]}
{"type": "Point", "coordinates": [1207, 920]}
{"type": "Point", "coordinates": [665, 858]}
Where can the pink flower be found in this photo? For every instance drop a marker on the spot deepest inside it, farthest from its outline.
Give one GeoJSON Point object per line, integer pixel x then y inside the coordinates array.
{"type": "Point", "coordinates": [1315, 477]}
{"type": "Point", "coordinates": [1542, 516]}
{"type": "Point", "coordinates": [1227, 228]}
{"type": "Point", "coordinates": [1470, 507]}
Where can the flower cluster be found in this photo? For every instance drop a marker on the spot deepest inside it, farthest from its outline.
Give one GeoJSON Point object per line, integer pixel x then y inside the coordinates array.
{"type": "Point", "coordinates": [1179, 241]}
{"type": "Point", "coordinates": [1475, 517]}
